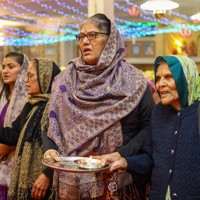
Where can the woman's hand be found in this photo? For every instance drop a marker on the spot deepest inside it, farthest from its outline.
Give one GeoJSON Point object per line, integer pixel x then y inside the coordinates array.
{"type": "Point", "coordinates": [51, 153]}
{"type": "Point", "coordinates": [40, 187]}
{"type": "Point", "coordinates": [120, 164]}
{"type": "Point", "coordinates": [5, 150]}
{"type": "Point", "coordinates": [115, 159]}
{"type": "Point", "coordinates": [108, 158]}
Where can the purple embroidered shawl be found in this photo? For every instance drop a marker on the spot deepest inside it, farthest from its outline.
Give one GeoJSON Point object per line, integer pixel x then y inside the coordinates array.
{"type": "Point", "coordinates": [86, 106]}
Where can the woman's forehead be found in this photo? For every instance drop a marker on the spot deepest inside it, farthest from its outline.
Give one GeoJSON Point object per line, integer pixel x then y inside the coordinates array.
{"type": "Point", "coordinates": [9, 60]}
{"type": "Point", "coordinates": [164, 67]}
{"type": "Point", "coordinates": [32, 66]}
{"type": "Point", "coordinates": [88, 27]}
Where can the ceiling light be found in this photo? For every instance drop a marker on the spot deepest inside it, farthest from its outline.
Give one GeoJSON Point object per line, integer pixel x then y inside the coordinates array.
{"type": "Point", "coordinates": [196, 17]}
{"type": "Point", "coordinates": [4, 22]}
{"type": "Point", "coordinates": [159, 5]}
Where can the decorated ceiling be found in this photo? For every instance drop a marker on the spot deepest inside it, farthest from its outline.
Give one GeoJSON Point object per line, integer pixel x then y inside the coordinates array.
{"type": "Point", "coordinates": [36, 22]}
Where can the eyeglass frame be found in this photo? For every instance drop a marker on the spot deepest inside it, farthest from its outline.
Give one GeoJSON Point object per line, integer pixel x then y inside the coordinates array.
{"type": "Point", "coordinates": [86, 35]}
{"type": "Point", "coordinates": [29, 75]}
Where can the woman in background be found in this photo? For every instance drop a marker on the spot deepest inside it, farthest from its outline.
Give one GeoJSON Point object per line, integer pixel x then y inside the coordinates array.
{"type": "Point", "coordinates": [154, 92]}
{"type": "Point", "coordinates": [30, 178]}
{"type": "Point", "coordinates": [12, 100]}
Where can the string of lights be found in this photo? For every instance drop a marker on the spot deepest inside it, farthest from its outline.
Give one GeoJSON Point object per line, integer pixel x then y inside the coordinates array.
{"type": "Point", "coordinates": [45, 15]}
{"type": "Point", "coordinates": [60, 12]}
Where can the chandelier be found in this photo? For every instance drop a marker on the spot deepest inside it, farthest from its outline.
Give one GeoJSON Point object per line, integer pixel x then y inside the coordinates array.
{"type": "Point", "coordinates": [159, 7]}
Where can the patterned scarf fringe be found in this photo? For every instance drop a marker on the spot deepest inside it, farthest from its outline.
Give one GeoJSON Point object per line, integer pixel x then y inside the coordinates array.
{"type": "Point", "coordinates": [125, 193]}
{"type": "Point", "coordinates": [22, 195]}
{"type": "Point", "coordinates": [54, 194]}
{"type": "Point", "coordinates": [129, 192]}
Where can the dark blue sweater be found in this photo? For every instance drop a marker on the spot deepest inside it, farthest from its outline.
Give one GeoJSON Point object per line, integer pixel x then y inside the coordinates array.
{"type": "Point", "coordinates": [172, 148]}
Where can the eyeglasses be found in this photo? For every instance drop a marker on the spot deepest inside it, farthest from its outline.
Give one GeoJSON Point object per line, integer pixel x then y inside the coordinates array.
{"type": "Point", "coordinates": [29, 75]}
{"type": "Point", "coordinates": [90, 36]}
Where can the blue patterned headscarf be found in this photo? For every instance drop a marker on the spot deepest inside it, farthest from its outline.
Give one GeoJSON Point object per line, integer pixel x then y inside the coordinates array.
{"type": "Point", "coordinates": [186, 77]}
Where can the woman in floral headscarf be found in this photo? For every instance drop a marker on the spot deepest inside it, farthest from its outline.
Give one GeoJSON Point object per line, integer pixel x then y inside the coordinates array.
{"type": "Point", "coordinates": [13, 97]}
{"type": "Point", "coordinates": [99, 104]}
{"type": "Point", "coordinates": [172, 147]}
{"type": "Point", "coordinates": [30, 178]}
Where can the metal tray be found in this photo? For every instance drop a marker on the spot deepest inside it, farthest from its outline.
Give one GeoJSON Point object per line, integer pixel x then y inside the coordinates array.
{"type": "Point", "coordinates": [72, 164]}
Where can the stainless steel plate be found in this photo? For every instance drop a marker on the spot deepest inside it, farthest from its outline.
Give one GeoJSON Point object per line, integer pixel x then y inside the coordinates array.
{"type": "Point", "coordinates": [74, 164]}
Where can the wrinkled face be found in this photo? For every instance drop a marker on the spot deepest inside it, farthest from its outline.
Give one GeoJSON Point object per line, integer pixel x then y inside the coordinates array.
{"type": "Point", "coordinates": [10, 70]}
{"type": "Point", "coordinates": [31, 80]}
{"type": "Point", "coordinates": [91, 49]}
{"type": "Point", "coordinates": [166, 87]}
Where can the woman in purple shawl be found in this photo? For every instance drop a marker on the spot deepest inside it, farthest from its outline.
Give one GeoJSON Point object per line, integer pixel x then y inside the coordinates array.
{"type": "Point", "coordinates": [99, 104]}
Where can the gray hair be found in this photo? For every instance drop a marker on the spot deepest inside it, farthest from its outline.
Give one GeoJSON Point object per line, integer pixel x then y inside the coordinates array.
{"type": "Point", "coordinates": [100, 21]}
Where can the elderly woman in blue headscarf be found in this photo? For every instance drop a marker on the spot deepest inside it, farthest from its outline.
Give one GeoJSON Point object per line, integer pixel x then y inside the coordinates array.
{"type": "Point", "coordinates": [172, 147]}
